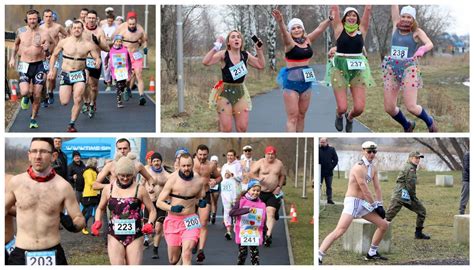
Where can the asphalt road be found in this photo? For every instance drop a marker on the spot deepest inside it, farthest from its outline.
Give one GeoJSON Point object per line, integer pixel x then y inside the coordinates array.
{"type": "Point", "coordinates": [268, 112]}
{"type": "Point", "coordinates": [108, 118]}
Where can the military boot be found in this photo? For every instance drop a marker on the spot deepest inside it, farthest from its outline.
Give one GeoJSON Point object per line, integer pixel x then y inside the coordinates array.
{"type": "Point", "coordinates": [420, 235]}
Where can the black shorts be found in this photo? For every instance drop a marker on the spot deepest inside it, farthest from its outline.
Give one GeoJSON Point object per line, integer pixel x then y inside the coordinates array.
{"type": "Point", "coordinates": [72, 77]}
{"type": "Point", "coordinates": [208, 197]}
{"type": "Point", "coordinates": [9, 247]}
{"type": "Point", "coordinates": [216, 190]}
{"type": "Point", "coordinates": [95, 72]}
{"type": "Point", "coordinates": [18, 256]}
{"type": "Point", "coordinates": [36, 74]}
{"type": "Point", "coordinates": [160, 214]}
{"type": "Point", "coordinates": [270, 201]}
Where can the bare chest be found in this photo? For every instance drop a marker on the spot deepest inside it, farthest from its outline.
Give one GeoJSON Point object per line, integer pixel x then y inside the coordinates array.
{"type": "Point", "coordinates": [42, 198]}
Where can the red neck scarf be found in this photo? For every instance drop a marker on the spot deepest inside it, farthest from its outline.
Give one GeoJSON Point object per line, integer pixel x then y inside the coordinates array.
{"type": "Point", "coordinates": [38, 178]}
{"type": "Point", "coordinates": [404, 26]}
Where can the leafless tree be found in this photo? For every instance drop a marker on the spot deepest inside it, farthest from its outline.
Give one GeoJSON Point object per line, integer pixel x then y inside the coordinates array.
{"type": "Point", "coordinates": [449, 150]}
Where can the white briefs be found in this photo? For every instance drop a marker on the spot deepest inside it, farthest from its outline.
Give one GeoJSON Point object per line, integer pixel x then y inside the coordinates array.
{"type": "Point", "coordinates": [356, 207]}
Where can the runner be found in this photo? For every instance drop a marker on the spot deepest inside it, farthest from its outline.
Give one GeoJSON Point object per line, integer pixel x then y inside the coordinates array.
{"type": "Point", "coordinates": [229, 96]}
{"type": "Point", "coordinates": [108, 26]}
{"type": "Point", "coordinates": [134, 38]}
{"type": "Point", "coordinates": [181, 226]}
{"type": "Point", "coordinates": [231, 174]}
{"type": "Point", "coordinates": [95, 34]}
{"type": "Point", "coordinates": [215, 189]}
{"type": "Point", "coordinates": [297, 77]}
{"type": "Point", "coordinates": [124, 198]}
{"type": "Point", "coordinates": [39, 196]}
{"type": "Point", "coordinates": [204, 168]}
{"type": "Point", "coordinates": [32, 45]}
{"type": "Point", "coordinates": [271, 173]}
{"type": "Point", "coordinates": [74, 49]}
{"type": "Point", "coordinates": [9, 225]}
{"type": "Point", "coordinates": [122, 146]}
{"type": "Point", "coordinates": [83, 15]}
{"type": "Point", "coordinates": [404, 195]}
{"type": "Point", "coordinates": [160, 176]}
{"type": "Point", "coordinates": [401, 69]}
{"type": "Point", "coordinates": [181, 150]}
{"type": "Point", "coordinates": [118, 62]}
{"type": "Point", "coordinates": [108, 11]}
{"type": "Point", "coordinates": [55, 30]}
{"type": "Point", "coordinates": [349, 68]}
{"type": "Point", "coordinates": [250, 213]}
{"type": "Point", "coordinates": [359, 202]}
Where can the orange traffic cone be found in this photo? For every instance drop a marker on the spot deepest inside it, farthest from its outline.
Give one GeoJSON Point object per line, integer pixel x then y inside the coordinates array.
{"type": "Point", "coordinates": [13, 96]}
{"type": "Point", "coordinates": [294, 218]}
{"type": "Point", "coordinates": [152, 84]}
{"type": "Point", "coordinates": [292, 209]}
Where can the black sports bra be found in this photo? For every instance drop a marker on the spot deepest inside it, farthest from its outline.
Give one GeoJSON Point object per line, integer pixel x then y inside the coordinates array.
{"type": "Point", "coordinates": [299, 54]}
{"type": "Point", "coordinates": [348, 44]}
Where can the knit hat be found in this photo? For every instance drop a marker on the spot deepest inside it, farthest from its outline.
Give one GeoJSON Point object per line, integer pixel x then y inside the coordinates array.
{"type": "Point", "coordinates": [149, 154]}
{"type": "Point", "coordinates": [131, 14]}
{"type": "Point", "coordinates": [293, 22]}
{"type": "Point", "coordinates": [409, 10]}
{"type": "Point", "coordinates": [214, 158]}
{"type": "Point", "coordinates": [76, 153]}
{"type": "Point", "coordinates": [180, 151]}
{"type": "Point", "coordinates": [156, 155]}
{"type": "Point", "coordinates": [125, 165]}
{"type": "Point", "coordinates": [253, 182]}
{"type": "Point", "coordinates": [270, 149]}
{"type": "Point", "coordinates": [349, 9]}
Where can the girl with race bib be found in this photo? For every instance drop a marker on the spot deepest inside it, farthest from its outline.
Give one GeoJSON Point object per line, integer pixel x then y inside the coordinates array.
{"type": "Point", "coordinates": [349, 68]}
{"type": "Point", "coordinates": [401, 69]}
{"type": "Point", "coordinates": [119, 60]}
{"type": "Point", "coordinates": [124, 198]}
{"type": "Point", "coordinates": [248, 227]}
{"type": "Point", "coordinates": [297, 77]}
{"type": "Point", "coordinates": [229, 96]}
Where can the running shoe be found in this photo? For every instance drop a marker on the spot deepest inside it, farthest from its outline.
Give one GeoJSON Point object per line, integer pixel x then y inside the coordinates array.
{"type": "Point", "coordinates": [376, 256]}
{"type": "Point", "coordinates": [119, 104]}
{"type": "Point", "coordinates": [129, 92]}
{"type": "Point", "coordinates": [146, 242]}
{"type": "Point", "coordinates": [85, 231]}
{"type": "Point", "coordinates": [348, 124]}
{"type": "Point", "coordinates": [412, 126]}
{"type": "Point", "coordinates": [71, 128]}
{"type": "Point", "coordinates": [108, 88]}
{"type": "Point", "coordinates": [33, 123]}
{"type": "Point", "coordinates": [44, 103]}
{"type": "Point", "coordinates": [338, 123]}
{"type": "Point", "coordinates": [85, 108]}
{"type": "Point", "coordinates": [200, 256]}
{"type": "Point", "coordinates": [92, 109]}
{"type": "Point", "coordinates": [433, 127]}
{"type": "Point", "coordinates": [155, 253]}
{"type": "Point", "coordinates": [213, 218]}
{"type": "Point", "coordinates": [126, 97]}
{"type": "Point", "coordinates": [228, 236]}
{"type": "Point", "coordinates": [142, 101]}
{"type": "Point", "coordinates": [25, 103]}
{"type": "Point", "coordinates": [51, 98]}
{"type": "Point", "coordinates": [268, 240]}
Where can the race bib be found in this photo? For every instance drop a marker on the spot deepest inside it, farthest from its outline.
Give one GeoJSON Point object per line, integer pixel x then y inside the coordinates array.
{"type": "Point", "coordinates": [355, 64]}
{"type": "Point", "coordinates": [226, 187]}
{"type": "Point", "coordinates": [46, 65]}
{"type": "Point", "coordinates": [40, 258]}
{"type": "Point", "coordinates": [23, 67]}
{"type": "Point", "coordinates": [192, 222]}
{"type": "Point", "coordinates": [124, 226]}
{"type": "Point", "coordinates": [137, 55]}
{"type": "Point", "coordinates": [308, 74]}
{"type": "Point", "coordinates": [76, 76]}
{"type": "Point", "coordinates": [367, 205]}
{"type": "Point", "coordinates": [10, 246]}
{"type": "Point", "coordinates": [216, 187]}
{"type": "Point", "coordinates": [405, 195]}
{"type": "Point", "coordinates": [249, 238]}
{"type": "Point", "coordinates": [90, 63]}
{"type": "Point", "coordinates": [238, 71]}
{"type": "Point", "coordinates": [56, 64]}
{"type": "Point", "coordinates": [399, 52]}
{"type": "Point", "coordinates": [121, 74]}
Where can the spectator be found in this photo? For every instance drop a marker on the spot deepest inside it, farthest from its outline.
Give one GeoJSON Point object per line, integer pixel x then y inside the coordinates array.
{"type": "Point", "coordinates": [90, 197]}
{"type": "Point", "coordinates": [76, 169]}
{"type": "Point", "coordinates": [328, 160]}
{"type": "Point", "coordinates": [60, 164]}
{"type": "Point", "coordinates": [465, 184]}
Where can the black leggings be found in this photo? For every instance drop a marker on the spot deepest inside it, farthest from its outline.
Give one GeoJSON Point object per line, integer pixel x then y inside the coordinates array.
{"type": "Point", "coordinates": [254, 255]}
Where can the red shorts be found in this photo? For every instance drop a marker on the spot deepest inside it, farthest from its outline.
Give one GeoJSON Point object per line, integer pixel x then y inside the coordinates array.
{"type": "Point", "coordinates": [175, 230]}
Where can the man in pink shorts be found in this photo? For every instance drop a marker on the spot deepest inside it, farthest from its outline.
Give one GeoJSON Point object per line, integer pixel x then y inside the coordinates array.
{"type": "Point", "coordinates": [182, 226]}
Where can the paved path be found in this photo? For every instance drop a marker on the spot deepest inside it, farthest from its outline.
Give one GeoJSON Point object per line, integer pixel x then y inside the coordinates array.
{"type": "Point", "coordinates": [268, 113]}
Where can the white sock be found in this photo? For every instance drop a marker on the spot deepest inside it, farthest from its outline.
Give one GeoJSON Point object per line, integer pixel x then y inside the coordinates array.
{"type": "Point", "coordinates": [321, 255]}
{"type": "Point", "coordinates": [373, 250]}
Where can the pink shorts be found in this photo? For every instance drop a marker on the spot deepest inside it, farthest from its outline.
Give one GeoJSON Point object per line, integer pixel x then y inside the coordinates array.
{"type": "Point", "coordinates": [176, 232]}
{"type": "Point", "coordinates": [137, 64]}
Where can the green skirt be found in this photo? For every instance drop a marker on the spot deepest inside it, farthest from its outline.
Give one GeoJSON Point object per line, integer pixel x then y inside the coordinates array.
{"type": "Point", "coordinates": [346, 71]}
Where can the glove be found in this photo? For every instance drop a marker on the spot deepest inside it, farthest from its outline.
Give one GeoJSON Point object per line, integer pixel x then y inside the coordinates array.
{"type": "Point", "coordinates": [177, 208]}
{"type": "Point", "coordinates": [95, 39]}
{"type": "Point", "coordinates": [202, 203]}
{"type": "Point", "coordinates": [380, 211]}
{"type": "Point", "coordinates": [96, 227]}
{"type": "Point", "coordinates": [145, 50]}
{"type": "Point", "coordinates": [420, 52]}
{"type": "Point", "coordinates": [217, 46]}
{"type": "Point", "coordinates": [147, 228]}
{"type": "Point", "coordinates": [67, 223]}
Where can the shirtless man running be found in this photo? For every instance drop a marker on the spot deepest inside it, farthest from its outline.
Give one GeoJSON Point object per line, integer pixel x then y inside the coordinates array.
{"type": "Point", "coordinates": [134, 37]}
{"type": "Point", "coordinates": [75, 49]}
{"type": "Point", "coordinates": [40, 195]}
{"type": "Point", "coordinates": [33, 45]}
{"type": "Point", "coordinates": [359, 202]}
{"type": "Point", "coordinates": [182, 226]}
{"type": "Point", "coordinates": [271, 173]}
{"type": "Point", "coordinates": [55, 30]}
{"type": "Point", "coordinates": [154, 188]}
{"type": "Point", "coordinates": [122, 146]}
{"type": "Point", "coordinates": [204, 168]}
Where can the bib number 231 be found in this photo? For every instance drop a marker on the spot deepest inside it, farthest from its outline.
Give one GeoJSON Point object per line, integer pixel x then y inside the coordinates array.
{"type": "Point", "coordinates": [238, 71]}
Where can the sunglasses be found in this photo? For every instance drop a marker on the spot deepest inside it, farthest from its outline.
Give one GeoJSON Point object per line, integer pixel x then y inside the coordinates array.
{"type": "Point", "coordinates": [371, 151]}
{"type": "Point", "coordinates": [247, 150]}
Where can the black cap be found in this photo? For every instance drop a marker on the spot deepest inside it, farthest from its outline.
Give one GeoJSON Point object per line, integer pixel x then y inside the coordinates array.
{"type": "Point", "coordinates": [76, 153]}
{"type": "Point", "coordinates": [156, 155]}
